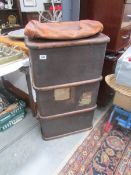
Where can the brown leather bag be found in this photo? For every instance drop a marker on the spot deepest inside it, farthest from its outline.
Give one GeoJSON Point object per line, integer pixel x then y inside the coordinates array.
{"type": "Point", "coordinates": [63, 30]}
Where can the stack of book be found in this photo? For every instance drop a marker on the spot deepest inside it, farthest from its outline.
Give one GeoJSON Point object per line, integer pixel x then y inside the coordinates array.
{"type": "Point", "coordinates": [12, 109]}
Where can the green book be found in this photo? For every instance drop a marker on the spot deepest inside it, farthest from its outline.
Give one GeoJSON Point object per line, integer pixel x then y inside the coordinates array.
{"type": "Point", "coordinates": [10, 116]}
{"type": "Point", "coordinates": [12, 122]}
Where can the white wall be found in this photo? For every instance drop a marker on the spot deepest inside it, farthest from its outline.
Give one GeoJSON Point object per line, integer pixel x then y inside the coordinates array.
{"type": "Point", "coordinates": [39, 6]}
{"type": "Point", "coordinates": [71, 9]}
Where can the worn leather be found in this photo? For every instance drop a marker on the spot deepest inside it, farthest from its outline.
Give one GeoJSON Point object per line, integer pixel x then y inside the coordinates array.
{"type": "Point", "coordinates": [63, 30]}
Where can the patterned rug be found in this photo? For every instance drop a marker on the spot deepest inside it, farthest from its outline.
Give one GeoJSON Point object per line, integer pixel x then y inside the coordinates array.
{"type": "Point", "coordinates": [102, 153]}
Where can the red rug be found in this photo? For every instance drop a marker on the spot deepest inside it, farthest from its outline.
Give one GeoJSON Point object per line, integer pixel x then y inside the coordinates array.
{"type": "Point", "coordinates": [102, 153]}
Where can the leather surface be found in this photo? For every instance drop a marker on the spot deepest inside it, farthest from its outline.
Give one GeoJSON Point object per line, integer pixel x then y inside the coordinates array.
{"type": "Point", "coordinates": [63, 30]}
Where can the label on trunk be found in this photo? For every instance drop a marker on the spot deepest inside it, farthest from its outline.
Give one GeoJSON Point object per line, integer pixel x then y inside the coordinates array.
{"type": "Point", "coordinates": [85, 99]}
{"type": "Point", "coordinates": [62, 94]}
{"type": "Point", "coordinates": [43, 57]}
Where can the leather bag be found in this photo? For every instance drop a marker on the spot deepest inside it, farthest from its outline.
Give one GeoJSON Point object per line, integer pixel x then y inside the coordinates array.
{"type": "Point", "coordinates": [63, 30]}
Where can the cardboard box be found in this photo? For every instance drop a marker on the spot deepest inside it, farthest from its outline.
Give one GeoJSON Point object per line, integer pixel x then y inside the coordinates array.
{"type": "Point", "coordinates": [122, 101]}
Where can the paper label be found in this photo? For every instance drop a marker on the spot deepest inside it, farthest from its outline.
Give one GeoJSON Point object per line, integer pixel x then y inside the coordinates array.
{"type": "Point", "coordinates": [43, 57]}
{"type": "Point", "coordinates": [62, 94]}
{"type": "Point", "coordinates": [85, 99]}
